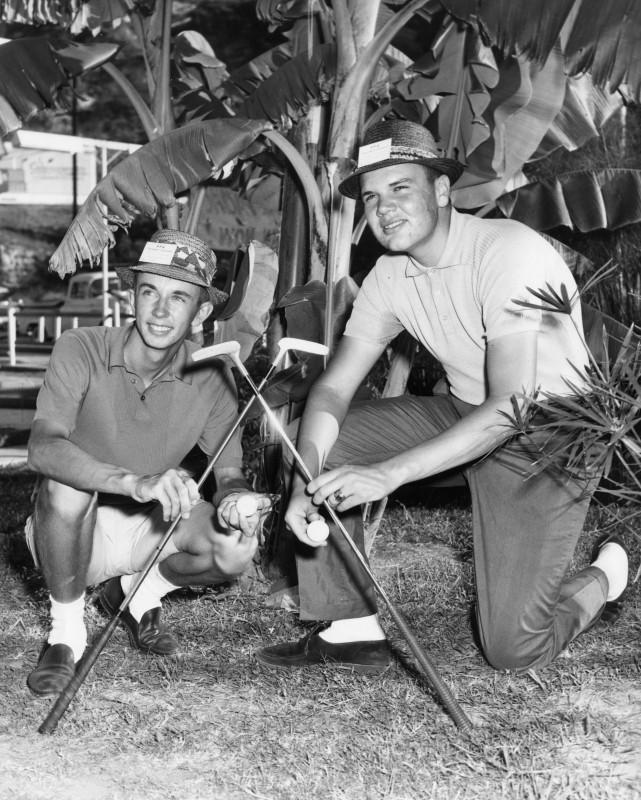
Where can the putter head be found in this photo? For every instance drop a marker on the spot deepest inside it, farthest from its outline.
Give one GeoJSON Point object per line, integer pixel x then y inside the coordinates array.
{"type": "Point", "coordinates": [302, 346]}
{"type": "Point", "coordinates": [230, 349]}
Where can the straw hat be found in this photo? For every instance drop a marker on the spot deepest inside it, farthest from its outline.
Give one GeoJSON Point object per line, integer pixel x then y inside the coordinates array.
{"type": "Point", "coordinates": [397, 141]}
{"type": "Point", "coordinates": [178, 255]}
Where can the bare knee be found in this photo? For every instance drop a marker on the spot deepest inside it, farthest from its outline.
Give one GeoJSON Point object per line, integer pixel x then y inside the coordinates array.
{"type": "Point", "coordinates": [233, 554]}
{"type": "Point", "coordinates": [64, 502]}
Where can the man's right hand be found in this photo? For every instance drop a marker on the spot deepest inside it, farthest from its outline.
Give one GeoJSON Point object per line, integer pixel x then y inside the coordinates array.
{"type": "Point", "coordinates": [174, 489]}
{"type": "Point", "coordinates": [300, 512]}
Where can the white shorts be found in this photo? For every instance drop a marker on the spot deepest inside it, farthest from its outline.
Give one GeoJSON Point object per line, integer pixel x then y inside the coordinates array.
{"type": "Point", "coordinates": [126, 536]}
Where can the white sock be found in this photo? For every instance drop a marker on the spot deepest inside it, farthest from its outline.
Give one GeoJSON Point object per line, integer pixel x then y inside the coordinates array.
{"type": "Point", "coordinates": [359, 629]}
{"type": "Point", "coordinates": [68, 625]}
{"type": "Point", "coordinates": [150, 593]}
{"type": "Point", "coordinates": [613, 560]}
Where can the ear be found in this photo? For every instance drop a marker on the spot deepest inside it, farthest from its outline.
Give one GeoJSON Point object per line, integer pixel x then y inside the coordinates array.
{"type": "Point", "coordinates": [203, 312]}
{"type": "Point", "coordinates": [442, 191]}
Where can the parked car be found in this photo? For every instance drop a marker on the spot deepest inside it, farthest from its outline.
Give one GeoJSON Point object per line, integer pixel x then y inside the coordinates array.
{"type": "Point", "coordinates": [82, 305]}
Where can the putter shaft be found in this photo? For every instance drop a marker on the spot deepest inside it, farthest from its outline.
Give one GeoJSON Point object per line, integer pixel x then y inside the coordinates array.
{"type": "Point", "coordinates": [441, 689]}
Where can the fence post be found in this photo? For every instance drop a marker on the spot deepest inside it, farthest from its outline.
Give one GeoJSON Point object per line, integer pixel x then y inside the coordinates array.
{"type": "Point", "coordinates": [11, 325]}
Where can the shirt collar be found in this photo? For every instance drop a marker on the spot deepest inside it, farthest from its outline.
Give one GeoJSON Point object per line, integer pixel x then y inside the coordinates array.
{"type": "Point", "coordinates": [448, 259]}
{"type": "Point", "coordinates": [116, 356]}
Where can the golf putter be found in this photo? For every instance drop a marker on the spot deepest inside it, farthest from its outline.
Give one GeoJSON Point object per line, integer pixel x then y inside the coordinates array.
{"type": "Point", "coordinates": [232, 350]}
{"type": "Point", "coordinates": [441, 689]}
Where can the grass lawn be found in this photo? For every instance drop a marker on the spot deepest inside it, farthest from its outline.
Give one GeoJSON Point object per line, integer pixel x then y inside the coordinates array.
{"type": "Point", "coordinates": [210, 723]}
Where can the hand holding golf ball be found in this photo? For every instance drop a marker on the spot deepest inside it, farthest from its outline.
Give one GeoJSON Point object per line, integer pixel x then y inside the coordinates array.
{"type": "Point", "coordinates": [247, 505]}
{"type": "Point", "coordinates": [242, 511]}
{"type": "Point", "coordinates": [317, 530]}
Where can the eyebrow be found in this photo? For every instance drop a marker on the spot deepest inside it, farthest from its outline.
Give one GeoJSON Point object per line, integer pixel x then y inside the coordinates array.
{"type": "Point", "coordinates": [395, 182]}
{"type": "Point", "coordinates": [150, 285]}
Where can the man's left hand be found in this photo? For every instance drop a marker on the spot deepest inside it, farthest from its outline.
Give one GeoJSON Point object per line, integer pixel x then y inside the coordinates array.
{"type": "Point", "coordinates": [242, 511]}
{"type": "Point", "coordinates": [349, 486]}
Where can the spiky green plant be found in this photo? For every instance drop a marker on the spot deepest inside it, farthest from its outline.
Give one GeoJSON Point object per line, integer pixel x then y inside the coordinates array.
{"type": "Point", "coordinates": [594, 429]}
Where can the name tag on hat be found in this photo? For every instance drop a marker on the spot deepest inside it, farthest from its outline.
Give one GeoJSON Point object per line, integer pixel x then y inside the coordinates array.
{"type": "Point", "coordinates": [376, 151]}
{"type": "Point", "coordinates": [158, 253]}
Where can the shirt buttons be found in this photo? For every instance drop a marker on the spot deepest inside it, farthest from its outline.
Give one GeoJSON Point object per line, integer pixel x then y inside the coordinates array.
{"type": "Point", "coordinates": [133, 380]}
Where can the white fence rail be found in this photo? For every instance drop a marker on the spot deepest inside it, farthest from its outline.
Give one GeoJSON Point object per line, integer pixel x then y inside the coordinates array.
{"type": "Point", "coordinates": [49, 323]}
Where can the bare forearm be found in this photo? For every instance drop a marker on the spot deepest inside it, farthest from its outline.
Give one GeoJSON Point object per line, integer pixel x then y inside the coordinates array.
{"type": "Point", "coordinates": [472, 437]}
{"type": "Point", "coordinates": [63, 461]}
{"type": "Point", "coordinates": [324, 414]}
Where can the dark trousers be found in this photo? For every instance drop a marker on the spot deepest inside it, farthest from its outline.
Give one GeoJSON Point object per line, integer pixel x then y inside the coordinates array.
{"type": "Point", "coordinates": [525, 534]}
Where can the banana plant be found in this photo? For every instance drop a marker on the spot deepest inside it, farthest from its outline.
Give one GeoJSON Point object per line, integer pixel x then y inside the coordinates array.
{"type": "Point", "coordinates": [452, 66]}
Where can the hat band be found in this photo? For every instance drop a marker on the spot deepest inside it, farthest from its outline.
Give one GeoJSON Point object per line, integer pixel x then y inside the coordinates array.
{"type": "Point", "coordinates": [411, 152]}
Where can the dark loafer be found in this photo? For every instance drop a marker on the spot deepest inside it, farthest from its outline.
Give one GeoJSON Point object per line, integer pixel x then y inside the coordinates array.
{"type": "Point", "coordinates": [366, 657]}
{"type": "Point", "coordinates": [56, 667]}
{"type": "Point", "coordinates": [147, 635]}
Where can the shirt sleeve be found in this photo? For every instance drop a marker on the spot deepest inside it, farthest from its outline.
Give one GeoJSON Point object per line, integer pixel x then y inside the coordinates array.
{"type": "Point", "coordinates": [222, 417]}
{"type": "Point", "coordinates": [65, 382]}
{"type": "Point", "coordinates": [514, 264]}
{"type": "Point", "coordinates": [372, 318]}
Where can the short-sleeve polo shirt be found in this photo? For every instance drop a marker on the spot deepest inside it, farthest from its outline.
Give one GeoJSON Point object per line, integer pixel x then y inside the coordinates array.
{"type": "Point", "coordinates": [467, 299]}
{"type": "Point", "coordinates": [89, 389]}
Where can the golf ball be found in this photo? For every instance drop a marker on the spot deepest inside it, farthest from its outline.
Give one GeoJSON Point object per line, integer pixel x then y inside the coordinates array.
{"type": "Point", "coordinates": [246, 505]}
{"type": "Point", "coordinates": [317, 530]}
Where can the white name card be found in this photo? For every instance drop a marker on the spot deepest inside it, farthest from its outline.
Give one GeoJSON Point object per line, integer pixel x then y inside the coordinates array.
{"type": "Point", "coordinates": [158, 253]}
{"type": "Point", "coordinates": [376, 151]}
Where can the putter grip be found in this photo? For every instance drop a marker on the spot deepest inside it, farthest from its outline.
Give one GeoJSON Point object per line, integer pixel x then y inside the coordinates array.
{"type": "Point", "coordinates": [71, 689]}
{"type": "Point", "coordinates": [443, 693]}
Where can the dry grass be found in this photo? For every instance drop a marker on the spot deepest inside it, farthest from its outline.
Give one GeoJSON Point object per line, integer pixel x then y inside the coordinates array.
{"type": "Point", "coordinates": [210, 723]}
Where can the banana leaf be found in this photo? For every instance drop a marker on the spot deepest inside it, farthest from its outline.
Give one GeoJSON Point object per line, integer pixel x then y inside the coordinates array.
{"type": "Point", "coordinates": [459, 64]}
{"type": "Point", "coordinates": [524, 104]}
{"type": "Point", "coordinates": [597, 37]}
{"type": "Point", "coordinates": [73, 15]}
{"type": "Point", "coordinates": [148, 181]}
{"type": "Point", "coordinates": [587, 200]}
{"type": "Point", "coordinates": [196, 64]}
{"type": "Point", "coordinates": [35, 70]}
{"type": "Point", "coordinates": [585, 109]}
{"type": "Point", "coordinates": [277, 12]}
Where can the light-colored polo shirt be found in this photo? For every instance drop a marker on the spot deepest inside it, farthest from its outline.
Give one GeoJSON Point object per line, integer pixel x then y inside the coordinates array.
{"type": "Point", "coordinates": [458, 305]}
{"type": "Point", "coordinates": [89, 389]}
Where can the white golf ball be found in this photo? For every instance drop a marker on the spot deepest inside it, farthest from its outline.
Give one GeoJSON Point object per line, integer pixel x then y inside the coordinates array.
{"type": "Point", "coordinates": [247, 505]}
{"type": "Point", "coordinates": [318, 530]}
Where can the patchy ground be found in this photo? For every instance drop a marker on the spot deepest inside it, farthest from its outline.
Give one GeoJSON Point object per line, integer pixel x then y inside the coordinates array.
{"type": "Point", "coordinates": [210, 723]}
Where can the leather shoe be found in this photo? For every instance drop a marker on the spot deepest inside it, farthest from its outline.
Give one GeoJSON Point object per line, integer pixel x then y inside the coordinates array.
{"type": "Point", "coordinates": [147, 635]}
{"type": "Point", "coordinates": [56, 667]}
{"type": "Point", "coordinates": [612, 609]}
{"type": "Point", "coordinates": [366, 657]}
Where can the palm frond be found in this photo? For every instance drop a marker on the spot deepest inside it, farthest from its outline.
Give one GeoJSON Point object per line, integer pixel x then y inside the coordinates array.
{"type": "Point", "coordinates": [149, 180]}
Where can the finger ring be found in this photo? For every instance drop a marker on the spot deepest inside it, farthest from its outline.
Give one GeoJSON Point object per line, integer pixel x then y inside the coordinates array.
{"type": "Point", "coordinates": [338, 497]}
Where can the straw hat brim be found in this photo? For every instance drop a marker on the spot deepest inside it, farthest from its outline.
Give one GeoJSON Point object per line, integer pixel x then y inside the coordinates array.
{"type": "Point", "coordinates": [126, 275]}
{"type": "Point", "coordinates": [350, 187]}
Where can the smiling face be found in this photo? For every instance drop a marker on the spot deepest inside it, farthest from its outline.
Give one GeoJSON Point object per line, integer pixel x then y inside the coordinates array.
{"type": "Point", "coordinates": [407, 209]}
{"type": "Point", "coordinates": [165, 309]}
